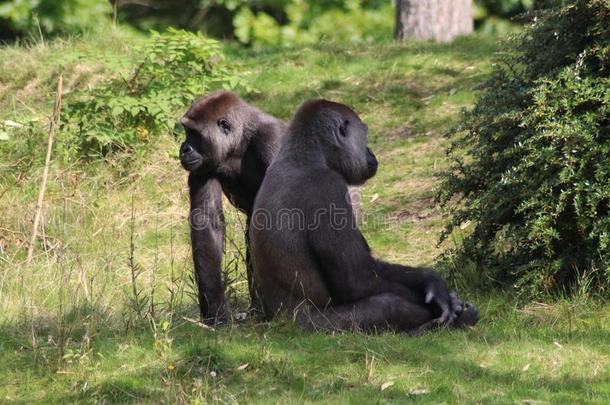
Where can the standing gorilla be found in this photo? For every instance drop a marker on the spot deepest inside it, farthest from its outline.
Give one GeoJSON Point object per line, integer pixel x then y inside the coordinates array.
{"type": "Point", "coordinates": [229, 145]}
{"type": "Point", "coordinates": [307, 249]}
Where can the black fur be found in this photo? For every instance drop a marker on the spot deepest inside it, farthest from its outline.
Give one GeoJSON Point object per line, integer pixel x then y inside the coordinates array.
{"type": "Point", "coordinates": [309, 256]}
{"type": "Point", "coordinates": [229, 145]}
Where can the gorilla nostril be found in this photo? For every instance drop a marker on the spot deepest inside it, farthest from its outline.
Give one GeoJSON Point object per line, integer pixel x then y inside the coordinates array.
{"type": "Point", "coordinates": [186, 148]}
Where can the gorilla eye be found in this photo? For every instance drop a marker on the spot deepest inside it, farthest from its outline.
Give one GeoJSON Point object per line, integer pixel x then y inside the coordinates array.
{"type": "Point", "coordinates": [343, 128]}
{"type": "Point", "coordinates": [224, 125]}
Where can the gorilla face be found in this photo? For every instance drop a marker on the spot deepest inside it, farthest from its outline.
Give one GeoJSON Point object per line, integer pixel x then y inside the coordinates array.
{"type": "Point", "coordinates": [213, 132]}
{"type": "Point", "coordinates": [206, 145]}
{"type": "Point", "coordinates": [190, 151]}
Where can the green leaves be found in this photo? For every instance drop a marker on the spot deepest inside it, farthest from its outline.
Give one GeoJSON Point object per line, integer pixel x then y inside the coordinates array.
{"type": "Point", "coordinates": [117, 110]}
{"type": "Point", "coordinates": [532, 158]}
{"type": "Point", "coordinates": [146, 92]}
{"type": "Point", "coordinates": [311, 22]}
{"type": "Point", "coordinates": [21, 17]}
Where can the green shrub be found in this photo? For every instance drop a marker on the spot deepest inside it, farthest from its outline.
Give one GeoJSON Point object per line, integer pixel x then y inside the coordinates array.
{"type": "Point", "coordinates": [23, 17]}
{"type": "Point", "coordinates": [140, 99]}
{"type": "Point", "coordinates": [504, 16]}
{"type": "Point", "coordinates": [532, 159]}
{"type": "Point", "coordinates": [307, 22]}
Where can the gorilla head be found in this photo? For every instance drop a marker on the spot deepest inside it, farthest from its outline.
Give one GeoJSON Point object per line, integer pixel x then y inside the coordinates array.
{"type": "Point", "coordinates": [214, 131]}
{"type": "Point", "coordinates": [342, 137]}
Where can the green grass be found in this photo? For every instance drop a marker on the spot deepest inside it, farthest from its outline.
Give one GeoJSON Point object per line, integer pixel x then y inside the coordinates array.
{"type": "Point", "coordinates": [69, 330]}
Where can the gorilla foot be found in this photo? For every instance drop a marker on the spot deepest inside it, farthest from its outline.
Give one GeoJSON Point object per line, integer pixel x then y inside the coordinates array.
{"type": "Point", "coordinates": [468, 317]}
{"type": "Point", "coordinates": [216, 317]}
{"type": "Point", "coordinates": [311, 319]}
{"type": "Point", "coordinates": [462, 315]}
{"type": "Point", "coordinates": [465, 314]}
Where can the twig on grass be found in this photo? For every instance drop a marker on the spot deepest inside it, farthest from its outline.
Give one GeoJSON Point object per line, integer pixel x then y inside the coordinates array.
{"type": "Point", "coordinates": [45, 173]}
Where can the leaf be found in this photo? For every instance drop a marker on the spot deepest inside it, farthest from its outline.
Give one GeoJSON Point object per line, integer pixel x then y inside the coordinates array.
{"type": "Point", "coordinates": [172, 68]}
{"type": "Point", "coordinates": [526, 367]}
{"type": "Point", "coordinates": [4, 136]}
{"type": "Point", "coordinates": [242, 367]}
{"type": "Point", "coordinates": [233, 81]}
{"type": "Point", "coordinates": [13, 124]}
{"type": "Point", "coordinates": [135, 110]}
{"type": "Point", "coordinates": [117, 110]}
{"type": "Point", "coordinates": [386, 385]}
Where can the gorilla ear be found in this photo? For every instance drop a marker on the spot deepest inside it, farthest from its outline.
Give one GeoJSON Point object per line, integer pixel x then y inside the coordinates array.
{"type": "Point", "coordinates": [343, 128]}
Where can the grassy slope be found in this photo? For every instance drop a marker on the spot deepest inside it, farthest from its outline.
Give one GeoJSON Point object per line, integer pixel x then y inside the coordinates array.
{"type": "Point", "coordinates": [68, 330]}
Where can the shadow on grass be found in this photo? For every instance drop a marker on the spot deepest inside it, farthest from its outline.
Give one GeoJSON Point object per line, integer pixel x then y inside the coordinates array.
{"type": "Point", "coordinates": [283, 362]}
{"type": "Point", "coordinates": [269, 362]}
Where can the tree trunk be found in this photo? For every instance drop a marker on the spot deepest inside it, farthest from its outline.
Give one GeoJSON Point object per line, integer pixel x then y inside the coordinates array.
{"type": "Point", "coordinates": [441, 20]}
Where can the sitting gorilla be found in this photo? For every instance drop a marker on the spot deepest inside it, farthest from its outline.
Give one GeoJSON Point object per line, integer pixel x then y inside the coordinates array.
{"type": "Point", "coordinates": [308, 255]}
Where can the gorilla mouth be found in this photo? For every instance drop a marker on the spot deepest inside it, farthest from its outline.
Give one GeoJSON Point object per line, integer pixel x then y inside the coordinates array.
{"type": "Point", "coordinates": [191, 164]}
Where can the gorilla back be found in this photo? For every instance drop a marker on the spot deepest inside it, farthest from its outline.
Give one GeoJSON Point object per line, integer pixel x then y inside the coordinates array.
{"type": "Point", "coordinates": [309, 256]}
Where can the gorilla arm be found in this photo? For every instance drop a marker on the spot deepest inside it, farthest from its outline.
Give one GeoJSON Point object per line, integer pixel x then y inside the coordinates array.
{"type": "Point", "coordinates": [207, 237]}
{"type": "Point", "coordinates": [429, 285]}
{"type": "Point", "coordinates": [352, 273]}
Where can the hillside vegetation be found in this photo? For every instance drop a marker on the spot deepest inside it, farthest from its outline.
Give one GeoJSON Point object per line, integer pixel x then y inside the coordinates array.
{"type": "Point", "coordinates": [106, 310]}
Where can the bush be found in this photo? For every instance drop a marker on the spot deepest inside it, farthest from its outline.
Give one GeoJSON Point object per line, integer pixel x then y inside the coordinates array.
{"type": "Point", "coordinates": [531, 159]}
{"type": "Point", "coordinates": [305, 22]}
{"type": "Point", "coordinates": [141, 97]}
{"type": "Point", "coordinates": [27, 17]}
{"type": "Point", "coordinates": [504, 16]}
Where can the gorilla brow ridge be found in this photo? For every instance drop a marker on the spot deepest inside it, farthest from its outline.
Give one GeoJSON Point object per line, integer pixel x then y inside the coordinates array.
{"type": "Point", "coordinates": [212, 106]}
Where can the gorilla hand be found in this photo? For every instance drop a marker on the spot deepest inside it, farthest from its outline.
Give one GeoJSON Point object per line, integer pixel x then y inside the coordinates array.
{"type": "Point", "coordinates": [427, 285]}
{"type": "Point", "coordinates": [460, 314]}
{"type": "Point", "coordinates": [467, 314]}
{"type": "Point", "coordinates": [436, 293]}
{"type": "Point", "coordinates": [451, 306]}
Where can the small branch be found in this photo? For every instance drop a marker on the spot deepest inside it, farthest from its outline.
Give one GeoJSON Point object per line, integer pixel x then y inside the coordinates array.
{"type": "Point", "coordinates": [133, 85]}
{"type": "Point", "coordinates": [45, 173]}
{"type": "Point", "coordinates": [126, 83]}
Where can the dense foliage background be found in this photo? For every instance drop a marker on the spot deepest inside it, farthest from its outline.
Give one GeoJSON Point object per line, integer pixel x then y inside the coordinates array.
{"type": "Point", "coordinates": [256, 22]}
{"type": "Point", "coordinates": [532, 159]}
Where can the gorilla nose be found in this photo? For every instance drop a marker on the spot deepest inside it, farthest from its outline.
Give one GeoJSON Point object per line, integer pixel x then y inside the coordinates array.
{"type": "Point", "coordinates": [185, 149]}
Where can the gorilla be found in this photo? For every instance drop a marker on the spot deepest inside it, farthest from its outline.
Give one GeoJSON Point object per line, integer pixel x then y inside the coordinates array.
{"type": "Point", "coordinates": [308, 255]}
{"type": "Point", "coordinates": [229, 145]}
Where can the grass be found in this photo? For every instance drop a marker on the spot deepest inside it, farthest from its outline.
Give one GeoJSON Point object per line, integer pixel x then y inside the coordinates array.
{"type": "Point", "coordinates": [96, 319]}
